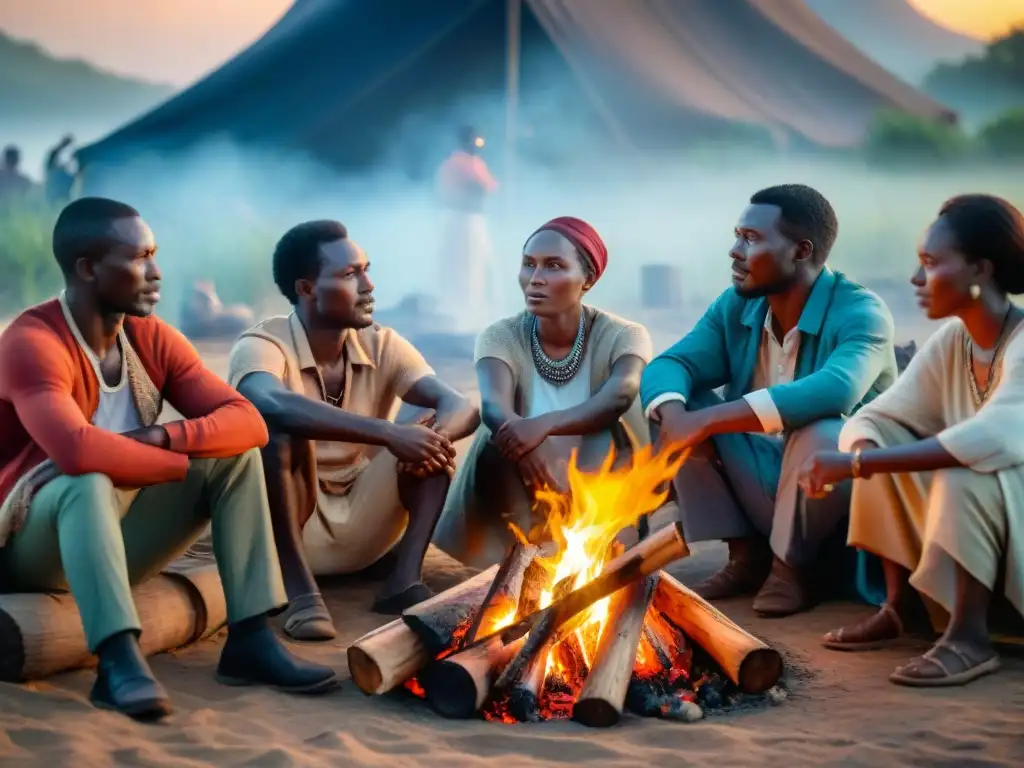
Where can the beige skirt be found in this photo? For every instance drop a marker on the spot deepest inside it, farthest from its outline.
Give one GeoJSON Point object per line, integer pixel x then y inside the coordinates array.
{"type": "Point", "coordinates": [930, 522]}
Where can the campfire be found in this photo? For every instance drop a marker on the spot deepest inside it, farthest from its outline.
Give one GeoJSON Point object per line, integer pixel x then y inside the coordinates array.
{"type": "Point", "coordinates": [578, 626]}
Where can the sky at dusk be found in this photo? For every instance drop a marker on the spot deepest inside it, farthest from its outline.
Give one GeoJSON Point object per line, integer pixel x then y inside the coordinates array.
{"type": "Point", "coordinates": [176, 41]}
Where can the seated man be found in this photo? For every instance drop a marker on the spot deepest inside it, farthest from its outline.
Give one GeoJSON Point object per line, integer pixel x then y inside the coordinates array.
{"type": "Point", "coordinates": [797, 347]}
{"type": "Point", "coordinates": [96, 496]}
{"type": "Point", "coordinates": [326, 379]}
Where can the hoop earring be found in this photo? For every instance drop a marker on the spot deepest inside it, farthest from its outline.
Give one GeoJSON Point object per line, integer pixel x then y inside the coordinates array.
{"type": "Point", "coordinates": [975, 291]}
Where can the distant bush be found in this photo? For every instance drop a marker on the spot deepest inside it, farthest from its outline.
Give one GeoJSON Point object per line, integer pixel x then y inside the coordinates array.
{"type": "Point", "coordinates": [980, 87]}
{"type": "Point", "coordinates": [899, 138]}
{"type": "Point", "coordinates": [1003, 138]}
{"type": "Point", "coordinates": [30, 273]}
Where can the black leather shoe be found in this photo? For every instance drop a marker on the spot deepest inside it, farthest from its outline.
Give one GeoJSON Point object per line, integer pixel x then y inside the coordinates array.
{"type": "Point", "coordinates": [260, 658]}
{"type": "Point", "coordinates": [125, 683]}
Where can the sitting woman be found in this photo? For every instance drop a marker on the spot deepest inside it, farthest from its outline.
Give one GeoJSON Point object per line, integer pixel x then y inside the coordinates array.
{"type": "Point", "coordinates": [939, 458]}
{"type": "Point", "coordinates": [557, 377]}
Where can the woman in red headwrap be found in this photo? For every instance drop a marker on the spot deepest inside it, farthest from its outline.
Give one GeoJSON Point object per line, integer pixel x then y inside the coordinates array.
{"type": "Point", "coordinates": [559, 376]}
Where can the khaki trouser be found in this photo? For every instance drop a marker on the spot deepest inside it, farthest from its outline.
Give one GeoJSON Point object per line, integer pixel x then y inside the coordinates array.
{"type": "Point", "coordinates": [84, 535]}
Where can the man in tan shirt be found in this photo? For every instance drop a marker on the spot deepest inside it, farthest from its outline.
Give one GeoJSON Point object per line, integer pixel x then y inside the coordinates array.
{"type": "Point", "coordinates": [346, 483]}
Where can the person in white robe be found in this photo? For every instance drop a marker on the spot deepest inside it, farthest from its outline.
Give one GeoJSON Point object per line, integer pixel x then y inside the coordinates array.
{"type": "Point", "coordinates": [464, 182]}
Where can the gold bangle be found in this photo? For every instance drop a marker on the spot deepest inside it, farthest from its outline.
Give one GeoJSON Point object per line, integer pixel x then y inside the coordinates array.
{"type": "Point", "coordinates": [855, 463]}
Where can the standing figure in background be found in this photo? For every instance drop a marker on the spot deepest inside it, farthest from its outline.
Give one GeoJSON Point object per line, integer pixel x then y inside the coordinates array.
{"type": "Point", "coordinates": [14, 185]}
{"type": "Point", "coordinates": [463, 184]}
{"type": "Point", "coordinates": [60, 176]}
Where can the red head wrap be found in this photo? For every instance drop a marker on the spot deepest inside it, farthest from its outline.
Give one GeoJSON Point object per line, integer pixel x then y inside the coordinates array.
{"type": "Point", "coordinates": [584, 237]}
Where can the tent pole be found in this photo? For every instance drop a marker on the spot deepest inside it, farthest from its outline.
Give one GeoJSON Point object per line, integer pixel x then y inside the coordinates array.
{"type": "Point", "coordinates": [513, 27]}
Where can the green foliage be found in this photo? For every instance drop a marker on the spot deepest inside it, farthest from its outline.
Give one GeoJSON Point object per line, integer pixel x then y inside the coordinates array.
{"type": "Point", "coordinates": [30, 273]}
{"type": "Point", "coordinates": [1003, 138]}
{"type": "Point", "coordinates": [983, 86]}
{"type": "Point", "coordinates": [902, 139]}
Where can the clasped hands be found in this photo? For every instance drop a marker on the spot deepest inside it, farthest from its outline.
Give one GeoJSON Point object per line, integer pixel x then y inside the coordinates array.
{"type": "Point", "coordinates": [422, 447]}
{"type": "Point", "coordinates": [522, 441]}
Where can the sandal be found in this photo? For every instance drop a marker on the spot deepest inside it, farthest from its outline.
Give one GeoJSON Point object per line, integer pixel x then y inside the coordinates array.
{"type": "Point", "coordinates": [393, 605]}
{"type": "Point", "coordinates": [971, 670]}
{"type": "Point", "coordinates": [870, 635]}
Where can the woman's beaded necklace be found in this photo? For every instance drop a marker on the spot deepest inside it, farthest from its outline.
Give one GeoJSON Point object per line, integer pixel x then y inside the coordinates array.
{"type": "Point", "coordinates": [559, 372]}
{"type": "Point", "coordinates": [980, 396]}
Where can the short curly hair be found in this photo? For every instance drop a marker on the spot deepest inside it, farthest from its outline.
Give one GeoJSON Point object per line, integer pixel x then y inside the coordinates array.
{"type": "Point", "coordinates": [991, 228]}
{"type": "Point", "coordinates": [806, 215]}
{"type": "Point", "coordinates": [297, 254]}
{"type": "Point", "coordinates": [83, 229]}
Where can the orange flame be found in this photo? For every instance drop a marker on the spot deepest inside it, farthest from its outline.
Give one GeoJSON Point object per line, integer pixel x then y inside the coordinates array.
{"type": "Point", "coordinates": [584, 524]}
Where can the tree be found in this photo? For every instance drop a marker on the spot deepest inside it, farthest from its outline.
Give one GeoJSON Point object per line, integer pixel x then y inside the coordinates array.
{"type": "Point", "coordinates": [982, 87]}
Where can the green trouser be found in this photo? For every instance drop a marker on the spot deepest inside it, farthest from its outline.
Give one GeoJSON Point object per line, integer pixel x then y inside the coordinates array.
{"type": "Point", "coordinates": [84, 535]}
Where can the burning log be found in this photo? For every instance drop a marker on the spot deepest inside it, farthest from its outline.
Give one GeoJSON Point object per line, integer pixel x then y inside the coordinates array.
{"type": "Point", "coordinates": [637, 563]}
{"type": "Point", "coordinates": [390, 655]}
{"type": "Point", "coordinates": [661, 682]}
{"type": "Point", "coordinates": [749, 663]}
{"type": "Point", "coordinates": [505, 589]}
{"type": "Point", "coordinates": [603, 696]}
{"type": "Point", "coordinates": [524, 693]}
{"type": "Point", "coordinates": [435, 620]}
{"type": "Point", "coordinates": [535, 579]}
{"type": "Point", "coordinates": [457, 686]}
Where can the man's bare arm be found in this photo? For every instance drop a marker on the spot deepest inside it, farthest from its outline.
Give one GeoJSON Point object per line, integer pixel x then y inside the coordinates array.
{"type": "Point", "coordinates": [456, 417]}
{"type": "Point", "coordinates": [301, 416]}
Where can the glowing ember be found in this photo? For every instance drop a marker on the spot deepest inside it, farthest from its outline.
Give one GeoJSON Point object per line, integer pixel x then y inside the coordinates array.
{"type": "Point", "coordinates": [413, 686]}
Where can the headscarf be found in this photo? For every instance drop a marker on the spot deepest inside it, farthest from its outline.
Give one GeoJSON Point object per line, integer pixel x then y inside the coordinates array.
{"type": "Point", "coordinates": [584, 237]}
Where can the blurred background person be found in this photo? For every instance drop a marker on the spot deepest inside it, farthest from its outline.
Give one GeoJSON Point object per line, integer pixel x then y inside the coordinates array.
{"type": "Point", "coordinates": [464, 182]}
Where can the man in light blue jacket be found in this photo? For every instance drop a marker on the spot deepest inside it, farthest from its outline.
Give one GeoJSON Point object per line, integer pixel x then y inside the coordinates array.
{"type": "Point", "coordinates": [795, 349]}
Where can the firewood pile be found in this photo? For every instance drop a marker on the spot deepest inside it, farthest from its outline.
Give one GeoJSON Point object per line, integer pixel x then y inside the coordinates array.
{"type": "Point", "coordinates": [515, 644]}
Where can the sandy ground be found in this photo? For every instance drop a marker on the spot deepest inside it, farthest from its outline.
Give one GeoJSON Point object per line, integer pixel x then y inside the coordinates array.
{"type": "Point", "coordinates": [841, 709]}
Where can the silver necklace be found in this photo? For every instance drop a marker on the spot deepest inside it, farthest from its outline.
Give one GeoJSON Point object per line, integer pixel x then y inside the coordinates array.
{"type": "Point", "coordinates": [980, 396]}
{"type": "Point", "coordinates": [559, 372]}
{"type": "Point", "coordinates": [323, 390]}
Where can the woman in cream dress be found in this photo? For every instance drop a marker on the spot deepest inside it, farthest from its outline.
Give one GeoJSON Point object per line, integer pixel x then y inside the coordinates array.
{"type": "Point", "coordinates": [938, 459]}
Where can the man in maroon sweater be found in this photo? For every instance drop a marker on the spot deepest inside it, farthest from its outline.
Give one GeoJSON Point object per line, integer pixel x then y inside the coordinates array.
{"type": "Point", "coordinates": [95, 495]}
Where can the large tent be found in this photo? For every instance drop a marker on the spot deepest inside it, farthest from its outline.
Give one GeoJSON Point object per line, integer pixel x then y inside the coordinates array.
{"type": "Point", "coordinates": [335, 78]}
{"type": "Point", "coordinates": [896, 35]}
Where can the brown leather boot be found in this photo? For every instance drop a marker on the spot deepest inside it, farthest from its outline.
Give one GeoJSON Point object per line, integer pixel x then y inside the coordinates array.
{"type": "Point", "coordinates": [748, 566]}
{"type": "Point", "coordinates": [785, 592]}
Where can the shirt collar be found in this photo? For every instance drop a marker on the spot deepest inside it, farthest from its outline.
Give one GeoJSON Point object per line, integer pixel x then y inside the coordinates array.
{"type": "Point", "coordinates": [354, 349]}
{"type": "Point", "coordinates": [813, 316]}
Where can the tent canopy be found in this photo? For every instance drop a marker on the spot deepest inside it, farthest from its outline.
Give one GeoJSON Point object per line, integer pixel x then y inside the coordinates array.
{"type": "Point", "coordinates": [895, 35]}
{"type": "Point", "coordinates": [337, 78]}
